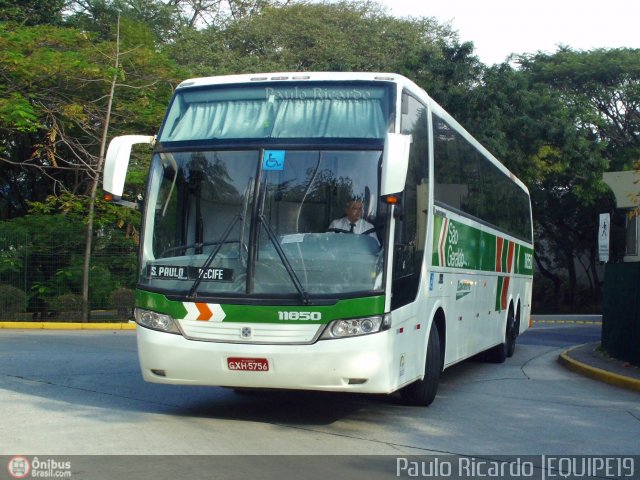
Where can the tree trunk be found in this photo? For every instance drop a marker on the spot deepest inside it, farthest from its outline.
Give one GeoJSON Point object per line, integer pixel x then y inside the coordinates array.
{"type": "Point", "coordinates": [94, 187]}
{"type": "Point", "coordinates": [571, 270]}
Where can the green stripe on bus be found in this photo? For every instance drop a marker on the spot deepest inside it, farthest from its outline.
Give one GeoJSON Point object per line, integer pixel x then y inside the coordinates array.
{"type": "Point", "coordinates": [348, 308]}
{"type": "Point", "coordinates": [457, 245]}
{"type": "Point", "coordinates": [498, 306]}
{"type": "Point", "coordinates": [488, 252]}
{"type": "Point", "coordinates": [159, 303]}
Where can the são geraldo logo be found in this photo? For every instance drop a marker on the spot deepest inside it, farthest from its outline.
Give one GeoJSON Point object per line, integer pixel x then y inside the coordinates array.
{"type": "Point", "coordinates": [19, 467]}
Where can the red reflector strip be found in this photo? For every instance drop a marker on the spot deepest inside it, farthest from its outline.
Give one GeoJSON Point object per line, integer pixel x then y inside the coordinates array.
{"type": "Point", "coordinates": [418, 327]}
{"type": "Point", "coordinates": [400, 330]}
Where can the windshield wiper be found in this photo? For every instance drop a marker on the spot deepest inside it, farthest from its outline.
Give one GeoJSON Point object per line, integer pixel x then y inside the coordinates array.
{"type": "Point", "coordinates": [285, 261]}
{"type": "Point", "coordinates": [194, 288]}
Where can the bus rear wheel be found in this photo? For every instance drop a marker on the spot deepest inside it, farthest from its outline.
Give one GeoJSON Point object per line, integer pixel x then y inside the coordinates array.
{"type": "Point", "coordinates": [512, 335]}
{"type": "Point", "coordinates": [499, 353]}
{"type": "Point", "coordinates": [423, 392]}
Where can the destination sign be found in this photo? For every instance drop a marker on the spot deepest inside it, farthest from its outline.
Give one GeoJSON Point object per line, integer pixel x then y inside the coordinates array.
{"type": "Point", "coordinates": [173, 272]}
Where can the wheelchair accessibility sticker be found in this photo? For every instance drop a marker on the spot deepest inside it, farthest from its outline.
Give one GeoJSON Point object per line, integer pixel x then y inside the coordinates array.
{"type": "Point", "coordinates": [273, 160]}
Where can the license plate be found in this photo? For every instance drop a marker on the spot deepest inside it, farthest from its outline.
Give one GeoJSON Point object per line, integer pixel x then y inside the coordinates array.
{"type": "Point", "coordinates": [248, 364]}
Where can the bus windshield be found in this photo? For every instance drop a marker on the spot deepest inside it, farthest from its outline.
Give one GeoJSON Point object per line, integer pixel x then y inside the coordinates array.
{"type": "Point", "coordinates": [279, 110]}
{"type": "Point", "coordinates": [244, 222]}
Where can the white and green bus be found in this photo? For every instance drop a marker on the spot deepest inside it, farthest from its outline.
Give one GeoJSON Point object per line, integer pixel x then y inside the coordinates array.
{"type": "Point", "coordinates": [243, 284]}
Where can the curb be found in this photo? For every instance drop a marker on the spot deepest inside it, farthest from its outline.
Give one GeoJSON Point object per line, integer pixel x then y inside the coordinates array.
{"type": "Point", "coordinates": [570, 322]}
{"type": "Point", "coordinates": [597, 373]}
{"type": "Point", "coordinates": [67, 326]}
{"type": "Point", "coordinates": [567, 319]}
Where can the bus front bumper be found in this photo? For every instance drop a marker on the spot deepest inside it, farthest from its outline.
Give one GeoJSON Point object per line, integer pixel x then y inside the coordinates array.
{"type": "Point", "coordinates": [359, 364]}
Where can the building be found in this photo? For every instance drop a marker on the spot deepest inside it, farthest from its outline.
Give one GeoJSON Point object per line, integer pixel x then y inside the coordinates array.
{"type": "Point", "coordinates": [626, 188]}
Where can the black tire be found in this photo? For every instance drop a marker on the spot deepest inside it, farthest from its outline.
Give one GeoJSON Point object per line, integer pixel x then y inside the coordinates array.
{"type": "Point", "coordinates": [512, 335]}
{"type": "Point", "coordinates": [423, 392]}
{"type": "Point", "coordinates": [499, 353]}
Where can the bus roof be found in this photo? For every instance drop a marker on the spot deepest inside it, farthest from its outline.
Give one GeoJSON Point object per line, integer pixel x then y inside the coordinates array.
{"type": "Point", "coordinates": [301, 76]}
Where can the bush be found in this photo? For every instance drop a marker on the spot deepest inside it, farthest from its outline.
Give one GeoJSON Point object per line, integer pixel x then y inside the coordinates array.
{"type": "Point", "coordinates": [124, 299]}
{"type": "Point", "coordinates": [69, 306]}
{"type": "Point", "coordinates": [12, 301]}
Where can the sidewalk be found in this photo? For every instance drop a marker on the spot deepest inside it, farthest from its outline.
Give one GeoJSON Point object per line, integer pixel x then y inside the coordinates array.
{"type": "Point", "coordinates": [68, 326]}
{"type": "Point", "coordinates": [588, 360]}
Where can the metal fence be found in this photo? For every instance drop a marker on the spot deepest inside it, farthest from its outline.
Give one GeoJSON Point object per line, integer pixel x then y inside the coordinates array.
{"type": "Point", "coordinates": [41, 273]}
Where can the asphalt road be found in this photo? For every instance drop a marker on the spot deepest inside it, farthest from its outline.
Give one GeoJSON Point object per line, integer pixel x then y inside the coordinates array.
{"type": "Point", "coordinates": [562, 333]}
{"type": "Point", "coordinates": [80, 393]}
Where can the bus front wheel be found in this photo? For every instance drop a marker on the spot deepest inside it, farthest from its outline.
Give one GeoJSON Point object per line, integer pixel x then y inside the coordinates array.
{"type": "Point", "coordinates": [423, 392]}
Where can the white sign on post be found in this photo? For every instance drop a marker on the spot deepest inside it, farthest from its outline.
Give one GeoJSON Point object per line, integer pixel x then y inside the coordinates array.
{"type": "Point", "coordinates": [603, 237]}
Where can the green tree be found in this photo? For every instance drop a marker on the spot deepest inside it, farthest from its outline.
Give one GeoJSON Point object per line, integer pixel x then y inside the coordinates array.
{"type": "Point", "coordinates": [143, 22]}
{"type": "Point", "coordinates": [601, 91]}
{"type": "Point", "coordinates": [52, 107]}
{"type": "Point", "coordinates": [32, 12]}
{"type": "Point", "coordinates": [603, 87]}
{"type": "Point", "coordinates": [45, 250]}
{"type": "Point", "coordinates": [166, 21]}
{"type": "Point", "coordinates": [341, 36]}
{"type": "Point", "coordinates": [58, 94]}
{"type": "Point", "coordinates": [550, 142]}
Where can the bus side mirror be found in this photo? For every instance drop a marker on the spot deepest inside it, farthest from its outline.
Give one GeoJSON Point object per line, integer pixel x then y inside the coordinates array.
{"type": "Point", "coordinates": [117, 161]}
{"type": "Point", "coordinates": [395, 161]}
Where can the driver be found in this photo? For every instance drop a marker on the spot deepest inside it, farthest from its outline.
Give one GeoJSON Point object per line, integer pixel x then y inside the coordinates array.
{"type": "Point", "coordinates": [352, 222]}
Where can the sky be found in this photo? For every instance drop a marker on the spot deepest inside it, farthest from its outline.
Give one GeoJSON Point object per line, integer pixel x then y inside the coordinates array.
{"type": "Point", "coordinates": [501, 27]}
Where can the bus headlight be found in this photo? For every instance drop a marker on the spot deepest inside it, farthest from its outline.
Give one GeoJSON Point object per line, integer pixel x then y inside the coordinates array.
{"type": "Point", "coordinates": [156, 321]}
{"type": "Point", "coordinates": [354, 327]}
